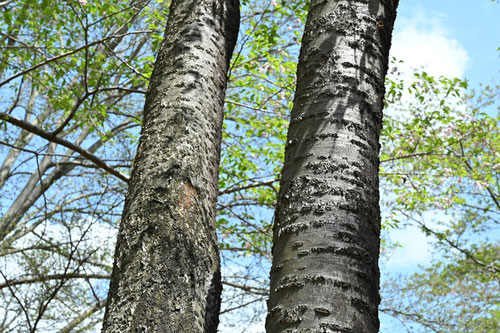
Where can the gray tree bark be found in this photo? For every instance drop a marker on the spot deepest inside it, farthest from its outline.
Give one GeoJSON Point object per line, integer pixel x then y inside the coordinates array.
{"type": "Point", "coordinates": [325, 275]}
{"type": "Point", "coordinates": [166, 275]}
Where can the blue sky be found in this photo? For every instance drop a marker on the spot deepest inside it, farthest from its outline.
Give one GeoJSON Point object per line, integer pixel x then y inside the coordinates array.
{"type": "Point", "coordinates": [472, 26]}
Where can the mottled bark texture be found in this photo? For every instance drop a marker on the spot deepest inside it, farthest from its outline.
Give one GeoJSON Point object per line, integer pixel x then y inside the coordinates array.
{"type": "Point", "coordinates": [325, 275]}
{"type": "Point", "coordinates": [166, 275]}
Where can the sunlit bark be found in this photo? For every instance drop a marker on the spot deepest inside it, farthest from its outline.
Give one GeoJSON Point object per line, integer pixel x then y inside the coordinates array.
{"type": "Point", "coordinates": [325, 275]}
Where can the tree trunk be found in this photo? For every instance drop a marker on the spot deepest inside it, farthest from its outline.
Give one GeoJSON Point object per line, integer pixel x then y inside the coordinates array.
{"type": "Point", "coordinates": [166, 276]}
{"type": "Point", "coordinates": [325, 275]}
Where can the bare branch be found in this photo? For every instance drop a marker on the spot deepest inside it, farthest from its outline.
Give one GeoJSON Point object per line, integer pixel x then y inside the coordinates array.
{"type": "Point", "coordinates": [269, 183]}
{"type": "Point", "coordinates": [44, 278]}
{"type": "Point", "coordinates": [250, 289]}
{"type": "Point", "coordinates": [5, 3]}
{"type": "Point", "coordinates": [87, 313]}
{"type": "Point", "coordinates": [53, 138]}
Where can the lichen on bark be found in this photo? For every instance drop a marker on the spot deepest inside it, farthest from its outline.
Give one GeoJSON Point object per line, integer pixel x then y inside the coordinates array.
{"type": "Point", "coordinates": [166, 275]}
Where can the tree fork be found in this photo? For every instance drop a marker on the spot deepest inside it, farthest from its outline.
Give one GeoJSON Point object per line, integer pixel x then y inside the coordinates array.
{"type": "Point", "coordinates": [166, 275]}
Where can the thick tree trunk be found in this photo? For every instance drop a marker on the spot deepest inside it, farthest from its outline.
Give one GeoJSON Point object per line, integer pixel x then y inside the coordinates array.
{"type": "Point", "coordinates": [325, 275]}
{"type": "Point", "coordinates": [166, 276]}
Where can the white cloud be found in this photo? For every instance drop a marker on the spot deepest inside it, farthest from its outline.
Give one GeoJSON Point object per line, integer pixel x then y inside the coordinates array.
{"type": "Point", "coordinates": [415, 249]}
{"type": "Point", "coordinates": [422, 42]}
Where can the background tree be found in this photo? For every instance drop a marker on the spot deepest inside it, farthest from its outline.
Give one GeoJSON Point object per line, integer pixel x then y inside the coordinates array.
{"type": "Point", "coordinates": [325, 274]}
{"type": "Point", "coordinates": [441, 163]}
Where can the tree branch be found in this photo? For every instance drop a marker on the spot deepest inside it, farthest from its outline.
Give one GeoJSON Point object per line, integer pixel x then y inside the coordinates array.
{"type": "Point", "coordinates": [244, 187]}
{"type": "Point", "coordinates": [250, 289]}
{"type": "Point", "coordinates": [53, 138]}
{"type": "Point", "coordinates": [87, 313]}
{"type": "Point", "coordinates": [43, 278]}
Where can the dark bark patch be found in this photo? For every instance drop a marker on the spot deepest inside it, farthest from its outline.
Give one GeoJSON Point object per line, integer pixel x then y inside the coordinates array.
{"type": "Point", "coordinates": [296, 227]}
{"type": "Point", "coordinates": [292, 315]}
{"type": "Point", "coordinates": [276, 268]}
{"type": "Point", "coordinates": [323, 167]}
{"type": "Point", "coordinates": [319, 279]}
{"type": "Point", "coordinates": [349, 251]}
{"type": "Point", "coordinates": [322, 311]}
{"type": "Point", "coordinates": [289, 286]}
{"type": "Point", "coordinates": [292, 228]}
{"type": "Point", "coordinates": [306, 116]}
{"type": "Point", "coordinates": [361, 305]}
{"type": "Point", "coordinates": [359, 144]}
{"type": "Point", "coordinates": [332, 327]}
{"type": "Point", "coordinates": [303, 253]}
{"type": "Point", "coordinates": [301, 156]}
